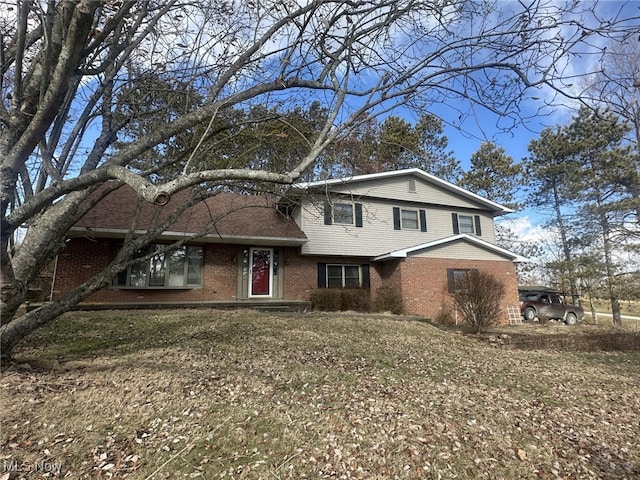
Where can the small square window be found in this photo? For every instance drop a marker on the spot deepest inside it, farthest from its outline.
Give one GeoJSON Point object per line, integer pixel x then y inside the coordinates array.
{"type": "Point", "coordinates": [454, 275]}
{"type": "Point", "coordinates": [343, 213]}
{"type": "Point", "coordinates": [409, 219]}
{"type": "Point", "coordinates": [465, 224]}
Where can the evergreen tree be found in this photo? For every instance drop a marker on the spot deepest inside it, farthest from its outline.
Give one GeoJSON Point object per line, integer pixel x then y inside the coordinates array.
{"type": "Point", "coordinates": [547, 169]}
{"type": "Point", "coordinates": [599, 188]}
{"type": "Point", "coordinates": [394, 144]}
{"type": "Point", "coordinates": [493, 175]}
{"type": "Point", "coordinates": [616, 85]}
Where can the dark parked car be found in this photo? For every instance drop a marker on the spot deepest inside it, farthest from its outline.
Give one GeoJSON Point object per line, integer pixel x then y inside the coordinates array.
{"type": "Point", "coordinates": [548, 306]}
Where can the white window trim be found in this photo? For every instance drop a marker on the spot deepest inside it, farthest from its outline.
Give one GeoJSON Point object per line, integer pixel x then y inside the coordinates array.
{"type": "Point", "coordinates": [353, 213]}
{"type": "Point", "coordinates": [342, 266]}
{"type": "Point", "coordinates": [473, 224]}
{"type": "Point", "coordinates": [417, 212]}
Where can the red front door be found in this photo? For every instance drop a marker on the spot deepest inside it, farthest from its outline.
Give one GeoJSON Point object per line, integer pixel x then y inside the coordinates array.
{"type": "Point", "coordinates": [261, 272]}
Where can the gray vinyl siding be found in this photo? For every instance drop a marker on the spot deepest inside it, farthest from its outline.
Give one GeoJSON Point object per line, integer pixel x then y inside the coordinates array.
{"type": "Point", "coordinates": [460, 250]}
{"type": "Point", "coordinates": [377, 235]}
{"type": "Point", "coordinates": [298, 217]}
{"type": "Point", "coordinates": [397, 188]}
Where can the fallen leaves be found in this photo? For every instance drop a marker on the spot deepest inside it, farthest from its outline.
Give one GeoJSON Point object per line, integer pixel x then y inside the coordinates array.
{"type": "Point", "coordinates": [322, 397]}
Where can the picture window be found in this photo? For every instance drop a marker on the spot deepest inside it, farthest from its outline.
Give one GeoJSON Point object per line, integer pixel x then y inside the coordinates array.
{"type": "Point", "coordinates": [175, 268]}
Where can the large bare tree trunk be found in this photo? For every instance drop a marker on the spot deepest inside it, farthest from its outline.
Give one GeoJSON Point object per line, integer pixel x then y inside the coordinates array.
{"type": "Point", "coordinates": [77, 112]}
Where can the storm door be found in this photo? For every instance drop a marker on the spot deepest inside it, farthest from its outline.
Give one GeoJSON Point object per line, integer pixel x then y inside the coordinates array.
{"type": "Point", "coordinates": [261, 281]}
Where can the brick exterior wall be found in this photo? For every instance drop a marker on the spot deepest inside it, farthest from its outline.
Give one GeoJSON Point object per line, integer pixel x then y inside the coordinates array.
{"type": "Point", "coordinates": [82, 258]}
{"type": "Point", "coordinates": [301, 273]}
{"type": "Point", "coordinates": [390, 273]}
{"type": "Point", "coordinates": [425, 289]}
{"type": "Point", "coordinates": [422, 281]}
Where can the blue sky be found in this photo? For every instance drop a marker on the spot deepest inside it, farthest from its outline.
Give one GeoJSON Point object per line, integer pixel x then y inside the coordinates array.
{"type": "Point", "coordinates": [526, 223]}
{"type": "Point", "coordinates": [515, 141]}
{"type": "Point", "coordinates": [482, 125]}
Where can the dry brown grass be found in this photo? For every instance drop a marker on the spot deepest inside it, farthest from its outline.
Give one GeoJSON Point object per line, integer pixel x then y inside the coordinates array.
{"type": "Point", "coordinates": [627, 307]}
{"type": "Point", "coordinates": [210, 394]}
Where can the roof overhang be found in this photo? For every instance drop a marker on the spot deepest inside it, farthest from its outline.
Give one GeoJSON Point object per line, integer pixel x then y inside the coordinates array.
{"type": "Point", "coordinates": [405, 252]}
{"type": "Point", "coordinates": [174, 236]}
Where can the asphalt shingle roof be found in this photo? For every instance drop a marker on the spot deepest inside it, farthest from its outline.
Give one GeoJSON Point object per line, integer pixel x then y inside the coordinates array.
{"type": "Point", "coordinates": [232, 215]}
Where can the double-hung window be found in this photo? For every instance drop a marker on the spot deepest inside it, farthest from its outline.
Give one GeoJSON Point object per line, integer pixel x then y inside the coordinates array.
{"type": "Point", "coordinates": [166, 268]}
{"type": "Point", "coordinates": [465, 224]}
{"type": "Point", "coordinates": [343, 213]}
{"type": "Point", "coordinates": [409, 219]}
{"type": "Point", "coordinates": [343, 276]}
{"type": "Point", "coordinates": [332, 275]}
{"type": "Point", "coordinates": [469, 224]}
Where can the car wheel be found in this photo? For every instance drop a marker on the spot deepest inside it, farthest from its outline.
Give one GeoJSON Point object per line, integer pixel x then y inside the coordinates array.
{"type": "Point", "coordinates": [571, 318]}
{"type": "Point", "coordinates": [529, 314]}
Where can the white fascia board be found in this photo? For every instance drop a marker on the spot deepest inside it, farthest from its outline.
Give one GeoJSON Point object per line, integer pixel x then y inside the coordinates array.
{"type": "Point", "coordinates": [403, 253]}
{"type": "Point", "coordinates": [496, 207]}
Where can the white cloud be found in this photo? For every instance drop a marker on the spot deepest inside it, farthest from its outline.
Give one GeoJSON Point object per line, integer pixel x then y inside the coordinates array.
{"type": "Point", "coordinates": [527, 230]}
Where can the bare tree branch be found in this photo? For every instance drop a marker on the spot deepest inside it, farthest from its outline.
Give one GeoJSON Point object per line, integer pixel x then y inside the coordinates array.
{"type": "Point", "coordinates": [79, 109]}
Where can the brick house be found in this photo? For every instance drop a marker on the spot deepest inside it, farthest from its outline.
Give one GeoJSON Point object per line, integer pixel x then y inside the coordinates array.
{"type": "Point", "coordinates": [405, 230]}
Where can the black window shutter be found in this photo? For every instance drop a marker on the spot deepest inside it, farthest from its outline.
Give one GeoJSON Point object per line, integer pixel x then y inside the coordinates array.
{"type": "Point", "coordinates": [454, 219]}
{"type": "Point", "coordinates": [423, 221]}
{"type": "Point", "coordinates": [322, 275]}
{"type": "Point", "coordinates": [327, 213]}
{"type": "Point", "coordinates": [366, 282]}
{"type": "Point", "coordinates": [396, 218]}
{"type": "Point", "coordinates": [450, 281]}
{"type": "Point", "coordinates": [478, 229]}
{"type": "Point", "coordinates": [358, 214]}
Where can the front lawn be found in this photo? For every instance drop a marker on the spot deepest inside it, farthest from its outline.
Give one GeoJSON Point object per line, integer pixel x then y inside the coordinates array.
{"type": "Point", "coordinates": [211, 394]}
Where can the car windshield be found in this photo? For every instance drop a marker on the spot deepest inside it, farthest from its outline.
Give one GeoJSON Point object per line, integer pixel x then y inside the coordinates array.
{"type": "Point", "coordinates": [529, 296]}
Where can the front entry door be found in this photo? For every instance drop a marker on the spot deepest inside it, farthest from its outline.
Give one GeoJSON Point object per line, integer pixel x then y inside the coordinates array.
{"type": "Point", "coordinates": [261, 281]}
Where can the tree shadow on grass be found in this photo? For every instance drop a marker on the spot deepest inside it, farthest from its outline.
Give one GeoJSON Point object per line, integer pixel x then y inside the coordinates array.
{"type": "Point", "coordinates": [78, 335]}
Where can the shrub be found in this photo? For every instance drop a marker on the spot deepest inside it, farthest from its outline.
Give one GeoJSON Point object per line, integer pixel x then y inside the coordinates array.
{"type": "Point", "coordinates": [356, 299]}
{"type": "Point", "coordinates": [326, 300]}
{"type": "Point", "coordinates": [445, 315]}
{"type": "Point", "coordinates": [477, 297]}
{"type": "Point", "coordinates": [337, 299]}
{"type": "Point", "coordinates": [388, 300]}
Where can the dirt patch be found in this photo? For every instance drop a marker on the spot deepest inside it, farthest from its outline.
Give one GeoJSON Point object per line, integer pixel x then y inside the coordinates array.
{"type": "Point", "coordinates": [559, 337]}
{"type": "Point", "coordinates": [619, 341]}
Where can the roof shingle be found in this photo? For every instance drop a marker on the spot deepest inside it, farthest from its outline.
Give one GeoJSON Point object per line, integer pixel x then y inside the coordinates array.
{"type": "Point", "coordinates": [225, 216]}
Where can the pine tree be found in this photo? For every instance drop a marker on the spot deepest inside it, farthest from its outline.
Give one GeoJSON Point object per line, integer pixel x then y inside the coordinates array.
{"type": "Point", "coordinates": [494, 175]}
